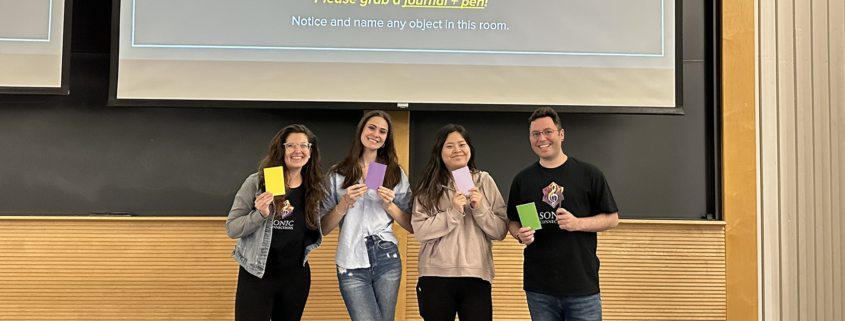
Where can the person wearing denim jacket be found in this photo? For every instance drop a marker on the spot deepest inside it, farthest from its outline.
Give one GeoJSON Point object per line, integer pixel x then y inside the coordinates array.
{"type": "Point", "coordinates": [276, 233]}
{"type": "Point", "coordinates": [369, 269]}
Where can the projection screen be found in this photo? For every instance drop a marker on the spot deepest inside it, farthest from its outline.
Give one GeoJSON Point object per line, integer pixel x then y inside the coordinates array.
{"type": "Point", "coordinates": [33, 46]}
{"type": "Point", "coordinates": [535, 52]}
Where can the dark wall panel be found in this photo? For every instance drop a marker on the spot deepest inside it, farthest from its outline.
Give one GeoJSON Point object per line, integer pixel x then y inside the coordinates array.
{"type": "Point", "coordinates": [74, 155]}
{"type": "Point", "coordinates": [655, 165]}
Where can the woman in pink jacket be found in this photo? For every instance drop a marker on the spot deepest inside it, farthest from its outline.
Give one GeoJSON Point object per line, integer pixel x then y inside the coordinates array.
{"type": "Point", "coordinates": [456, 232]}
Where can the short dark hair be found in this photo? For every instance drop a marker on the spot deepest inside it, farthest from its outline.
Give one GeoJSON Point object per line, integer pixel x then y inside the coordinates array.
{"type": "Point", "coordinates": [546, 112]}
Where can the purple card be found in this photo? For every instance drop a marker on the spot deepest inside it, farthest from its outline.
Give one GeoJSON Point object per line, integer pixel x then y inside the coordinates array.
{"type": "Point", "coordinates": [375, 175]}
{"type": "Point", "coordinates": [463, 180]}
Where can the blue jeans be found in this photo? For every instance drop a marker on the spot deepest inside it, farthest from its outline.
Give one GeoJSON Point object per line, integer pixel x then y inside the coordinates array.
{"type": "Point", "coordinates": [370, 294]}
{"type": "Point", "coordinates": [544, 307]}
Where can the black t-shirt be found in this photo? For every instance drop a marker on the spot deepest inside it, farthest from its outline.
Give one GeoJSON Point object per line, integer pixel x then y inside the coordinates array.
{"type": "Point", "coordinates": [287, 247]}
{"type": "Point", "coordinates": [559, 262]}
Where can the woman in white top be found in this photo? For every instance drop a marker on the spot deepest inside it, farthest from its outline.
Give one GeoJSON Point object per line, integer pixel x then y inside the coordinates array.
{"type": "Point", "coordinates": [369, 269]}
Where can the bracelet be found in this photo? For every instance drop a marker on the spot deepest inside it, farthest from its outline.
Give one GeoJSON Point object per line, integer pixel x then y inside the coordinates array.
{"type": "Point", "coordinates": [338, 211]}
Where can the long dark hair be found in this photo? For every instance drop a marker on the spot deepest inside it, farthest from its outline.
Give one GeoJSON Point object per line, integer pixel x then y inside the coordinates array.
{"type": "Point", "coordinates": [429, 187]}
{"type": "Point", "coordinates": [352, 171]}
{"type": "Point", "coordinates": [312, 173]}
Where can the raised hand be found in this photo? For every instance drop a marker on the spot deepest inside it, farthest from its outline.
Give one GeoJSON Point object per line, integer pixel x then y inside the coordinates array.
{"type": "Point", "coordinates": [526, 234]}
{"type": "Point", "coordinates": [353, 193]}
{"type": "Point", "coordinates": [459, 201]}
{"type": "Point", "coordinates": [262, 203]}
{"type": "Point", "coordinates": [567, 221]}
{"type": "Point", "coordinates": [387, 195]}
{"type": "Point", "coordinates": [474, 198]}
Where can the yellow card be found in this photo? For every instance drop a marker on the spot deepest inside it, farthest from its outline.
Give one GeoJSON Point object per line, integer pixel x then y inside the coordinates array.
{"type": "Point", "coordinates": [274, 180]}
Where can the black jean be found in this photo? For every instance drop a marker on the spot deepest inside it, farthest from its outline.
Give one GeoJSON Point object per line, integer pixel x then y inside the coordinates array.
{"type": "Point", "coordinates": [440, 298]}
{"type": "Point", "coordinates": [281, 294]}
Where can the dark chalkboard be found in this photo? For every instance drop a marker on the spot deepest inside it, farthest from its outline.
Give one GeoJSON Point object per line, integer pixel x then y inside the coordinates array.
{"type": "Point", "coordinates": [73, 155]}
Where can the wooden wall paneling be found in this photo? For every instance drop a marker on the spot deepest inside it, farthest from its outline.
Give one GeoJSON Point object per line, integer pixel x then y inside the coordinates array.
{"type": "Point", "coordinates": [739, 199]}
{"type": "Point", "coordinates": [650, 270]}
{"type": "Point", "coordinates": [176, 269]}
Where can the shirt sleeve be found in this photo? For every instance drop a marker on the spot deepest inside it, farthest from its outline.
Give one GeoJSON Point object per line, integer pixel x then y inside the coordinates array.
{"type": "Point", "coordinates": [332, 197]}
{"type": "Point", "coordinates": [431, 226]}
{"type": "Point", "coordinates": [602, 202]}
{"type": "Point", "coordinates": [402, 194]}
{"type": "Point", "coordinates": [490, 215]}
{"type": "Point", "coordinates": [513, 199]}
{"type": "Point", "coordinates": [243, 218]}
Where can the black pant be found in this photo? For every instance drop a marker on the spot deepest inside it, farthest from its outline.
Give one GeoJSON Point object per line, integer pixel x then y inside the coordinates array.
{"type": "Point", "coordinates": [280, 294]}
{"type": "Point", "coordinates": [440, 298]}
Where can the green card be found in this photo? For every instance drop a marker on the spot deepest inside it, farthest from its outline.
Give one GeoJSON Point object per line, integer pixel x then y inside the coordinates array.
{"type": "Point", "coordinates": [528, 216]}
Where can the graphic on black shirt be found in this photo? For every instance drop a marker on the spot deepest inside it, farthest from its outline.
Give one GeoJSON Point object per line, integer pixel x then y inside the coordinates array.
{"type": "Point", "coordinates": [287, 209]}
{"type": "Point", "coordinates": [280, 222]}
{"type": "Point", "coordinates": [553, 194]}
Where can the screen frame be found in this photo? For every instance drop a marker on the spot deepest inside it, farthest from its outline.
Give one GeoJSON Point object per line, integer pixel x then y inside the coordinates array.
{"type": "Point", "coordinates": [64, 88]}
{"type": "Point", "coordinates": [678, 109]}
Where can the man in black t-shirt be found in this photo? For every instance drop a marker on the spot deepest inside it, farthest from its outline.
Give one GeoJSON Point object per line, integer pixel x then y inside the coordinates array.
{"type": "Point", "coordinates": [573, 200]}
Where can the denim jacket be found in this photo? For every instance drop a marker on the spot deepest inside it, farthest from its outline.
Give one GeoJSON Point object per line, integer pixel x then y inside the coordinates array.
{"type": "Point", "coordinates": [254, 231]}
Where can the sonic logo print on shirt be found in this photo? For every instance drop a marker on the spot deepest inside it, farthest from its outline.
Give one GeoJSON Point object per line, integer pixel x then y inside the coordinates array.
{"type": "Point", "coordinates": [279, 222]}
{"type": "Point", "coordinates": [287, 209]}
{"type": "Point", "coordinates": [553, 194]}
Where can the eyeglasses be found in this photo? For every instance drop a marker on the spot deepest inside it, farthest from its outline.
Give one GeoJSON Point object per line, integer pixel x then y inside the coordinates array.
{"type": "Point", "coordinates": [302, 146]}
{"type": "Point", "coordinates": [547, 133]}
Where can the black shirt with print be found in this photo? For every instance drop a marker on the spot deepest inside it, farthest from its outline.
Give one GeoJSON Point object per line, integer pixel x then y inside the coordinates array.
{"type": "Point", "coordinates": [559, 262]}
{"type": "Point", "coordinates": [287, 247]}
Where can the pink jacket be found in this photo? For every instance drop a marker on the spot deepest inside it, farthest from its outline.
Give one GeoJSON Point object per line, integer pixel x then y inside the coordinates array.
{"type": "Point", "coordinates": [459, 245]}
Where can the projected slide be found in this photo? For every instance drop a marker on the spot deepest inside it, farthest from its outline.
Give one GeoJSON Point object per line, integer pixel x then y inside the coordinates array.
{"type": "Point", "coordinates": [559, 52]}
{"type": "Point", "coordinates": [31, 43]}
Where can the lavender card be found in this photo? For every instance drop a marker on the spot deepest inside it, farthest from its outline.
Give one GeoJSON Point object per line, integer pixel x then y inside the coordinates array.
{"type": "Point", "coordinates": [463, 180]}
{"type": "Point", "coordinates": [375, 175]}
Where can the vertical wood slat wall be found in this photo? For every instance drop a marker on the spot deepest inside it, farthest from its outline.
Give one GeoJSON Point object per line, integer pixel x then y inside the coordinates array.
{"type": "Point", "coordinates": [55, 268]}
{"type": "Point", "coordinates": [134, 269]}
{"type": "Point", "coordinates": [801, 87]}
{"type": "Point", "coordinates": [649, 271]}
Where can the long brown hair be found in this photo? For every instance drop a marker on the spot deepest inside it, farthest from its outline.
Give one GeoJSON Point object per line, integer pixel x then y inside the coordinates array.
{"type": "Point", "coordinates": [312, 173]}
{"type": "Point", "coordinates": [352, 171]}
{"type": "Point", "coordinates": [429, 187]}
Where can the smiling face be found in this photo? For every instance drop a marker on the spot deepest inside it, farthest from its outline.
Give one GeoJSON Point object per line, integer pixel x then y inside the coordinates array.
{"type": "Point", "coordinates": [456, 152]}
{"type": "Point", "coordinates": [374, 133]}
{"type": "Point", "coordinates": [295, 156]}
{"type": "Point", "coordinates": [545, 138]}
